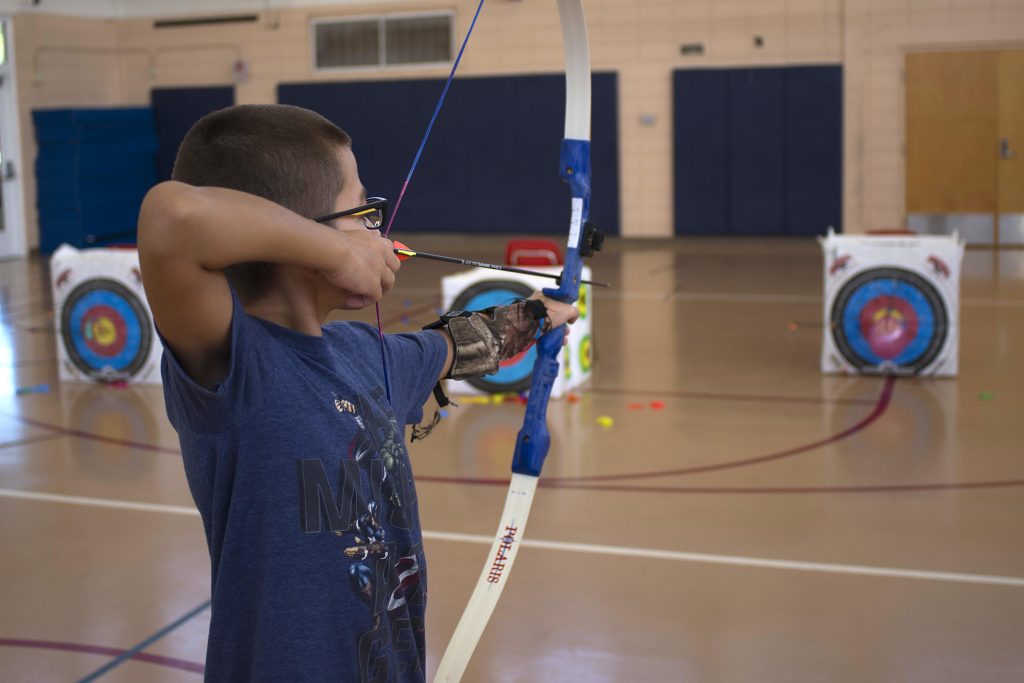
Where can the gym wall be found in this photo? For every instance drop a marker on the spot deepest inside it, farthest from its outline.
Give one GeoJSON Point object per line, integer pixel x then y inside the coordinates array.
{"type": "Point", "coordinates": [639, 40]}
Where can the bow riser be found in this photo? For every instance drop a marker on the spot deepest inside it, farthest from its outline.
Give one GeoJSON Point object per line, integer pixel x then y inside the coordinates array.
{"type": "Point", "coordinates": [574, 169]}
{"type": "Point", "coordinates": [534, 439]}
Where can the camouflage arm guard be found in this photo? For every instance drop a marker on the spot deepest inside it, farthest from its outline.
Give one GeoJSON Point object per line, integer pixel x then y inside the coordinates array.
{"type": "Point", "coordinates": [483, 339]}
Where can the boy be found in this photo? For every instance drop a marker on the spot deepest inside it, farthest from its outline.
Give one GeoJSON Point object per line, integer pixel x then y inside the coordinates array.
{"type": "Point", "coordinates": [293, 451]}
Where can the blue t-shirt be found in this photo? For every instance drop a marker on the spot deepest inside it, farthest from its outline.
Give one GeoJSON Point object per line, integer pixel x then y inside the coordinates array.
{"type": "Point", "coordinates": [297, 464]}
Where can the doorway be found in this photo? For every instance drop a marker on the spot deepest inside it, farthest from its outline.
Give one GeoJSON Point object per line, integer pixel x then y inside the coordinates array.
{"type": "Point", "coordinates": [12, 215]}
{"type": "Point", "coordinates": [965, 145]}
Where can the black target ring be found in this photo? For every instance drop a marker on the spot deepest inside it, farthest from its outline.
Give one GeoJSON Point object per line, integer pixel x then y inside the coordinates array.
{"type": "Point", "coordinates": [106, 330]}
{"type": "Point", "coordinates": [514, 375]}
{"type": "Point", "coordinates": [889, 320]}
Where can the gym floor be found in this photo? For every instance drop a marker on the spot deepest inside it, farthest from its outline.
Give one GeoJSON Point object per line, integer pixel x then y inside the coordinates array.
{"type": "Point", "coordinates": [740, 516]}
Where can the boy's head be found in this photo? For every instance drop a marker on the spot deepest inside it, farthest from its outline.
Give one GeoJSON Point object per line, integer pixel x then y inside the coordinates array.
{"type": "Point", "coordinates": [286, 154]}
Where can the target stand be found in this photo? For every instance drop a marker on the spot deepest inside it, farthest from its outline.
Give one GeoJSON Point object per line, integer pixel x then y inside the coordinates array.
{"type": "Point", "coordinates": [892, 304]}
{"type": "Point", "coordinates": [104, 328]}
{"type": "Point", "coordinates": [477, 289]}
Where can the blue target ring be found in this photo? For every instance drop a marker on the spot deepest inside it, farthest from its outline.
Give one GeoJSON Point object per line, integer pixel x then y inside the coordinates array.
{"type": "Point", "coordinates": [512, 376]}
{"type": "Point", "coordinates": [889, 319]}
{"type": "Point", "coordinates": [106, 330]}
{"type": "Point", "coordinates": [897, 294]}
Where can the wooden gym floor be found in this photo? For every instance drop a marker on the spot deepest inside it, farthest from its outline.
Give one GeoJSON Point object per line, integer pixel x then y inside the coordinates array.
{"type": "Point", "coordinates": [767, 523]}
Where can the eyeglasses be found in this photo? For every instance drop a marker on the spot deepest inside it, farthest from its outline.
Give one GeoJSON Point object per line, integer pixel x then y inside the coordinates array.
{"type": "Point", "coordinates": [372, 213]}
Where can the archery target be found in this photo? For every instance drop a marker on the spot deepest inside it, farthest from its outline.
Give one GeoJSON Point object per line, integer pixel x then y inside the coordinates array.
{"type": "Point", "coordinates": [891, 305]}
{"type": "Point", "coordinates": [477, 289]}
{"type": "Point", "coordinates": [586, 354]}
{"type": "Point", "coordinates": [105, 331]}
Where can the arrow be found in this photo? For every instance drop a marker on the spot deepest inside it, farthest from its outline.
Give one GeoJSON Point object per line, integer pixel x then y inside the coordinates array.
{"type": "Point", "coordinates": [403, 252]}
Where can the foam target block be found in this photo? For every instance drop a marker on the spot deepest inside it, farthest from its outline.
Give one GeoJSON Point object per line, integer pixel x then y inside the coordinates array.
{"type": "Point", "coordinates": [104, 327]}
{"type": "Point", "coordinates": [477, 289]}
{"type": "Point", "coordinates": [892, 304]}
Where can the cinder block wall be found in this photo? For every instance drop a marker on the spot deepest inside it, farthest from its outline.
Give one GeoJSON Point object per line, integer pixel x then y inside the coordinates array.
{"type": "Point", "coordinates": [67, 61]}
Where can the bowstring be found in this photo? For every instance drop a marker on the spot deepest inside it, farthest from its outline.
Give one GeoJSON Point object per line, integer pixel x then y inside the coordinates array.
{"type": "Point", "coordinates": [408, 177]}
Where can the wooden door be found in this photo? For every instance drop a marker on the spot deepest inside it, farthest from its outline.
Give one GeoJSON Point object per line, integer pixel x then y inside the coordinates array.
{"type": "Point", "coordinates": [965, 144]}
{"type": "Point", "coordinates": [1010, 162]}
{"type": "Point", "coordinates": [951, 129]}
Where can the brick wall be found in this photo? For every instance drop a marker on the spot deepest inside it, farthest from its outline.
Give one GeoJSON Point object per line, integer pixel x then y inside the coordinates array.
{"type": "Point", "coordinates": [638, 38]}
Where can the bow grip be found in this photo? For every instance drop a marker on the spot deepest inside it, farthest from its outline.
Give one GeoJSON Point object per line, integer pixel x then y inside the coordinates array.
{"type": "Point", "coordinates": [533, 439]}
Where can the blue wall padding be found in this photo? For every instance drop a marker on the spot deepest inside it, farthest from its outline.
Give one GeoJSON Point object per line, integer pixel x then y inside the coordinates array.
{"type": "Point", "coordinates": [702, 172]}
{"type": "Point", "coordinates": [814, 151]}
{"type": "Point", "coordinates": [758, 150]}
{"type": "Point", "coordinates": [93, 168]}
{"type": "Point", "coordinates": [757, 173]}
{"type": "Point", "coordinates": [175, 111]}
{"type": "Point", "coordinates": [491, 164]}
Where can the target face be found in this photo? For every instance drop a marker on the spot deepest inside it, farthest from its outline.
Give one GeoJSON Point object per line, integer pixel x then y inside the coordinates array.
{"type": "Point", "coordinates": [514, 374]}
{"type": "Point", "coordinates": [889, 319]}
{"type": "Point", "coordinates": [106, 330]}
{"type": "Point", "coordinates": [586, 354]}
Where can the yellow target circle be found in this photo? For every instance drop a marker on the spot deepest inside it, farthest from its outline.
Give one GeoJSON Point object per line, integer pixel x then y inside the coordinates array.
{"type": "Point", "coordinates": [582, 301]}
{"type": "Point", "coordinates": [586, 354]}
{"type": "Point", "coordinates": [102, 330]}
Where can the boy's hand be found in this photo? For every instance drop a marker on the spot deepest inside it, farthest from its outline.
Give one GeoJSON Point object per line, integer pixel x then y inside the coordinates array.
{"type": "Point", "coordinates": [368, 270]}
{"type": "Point", "coordinates": [559, 313]}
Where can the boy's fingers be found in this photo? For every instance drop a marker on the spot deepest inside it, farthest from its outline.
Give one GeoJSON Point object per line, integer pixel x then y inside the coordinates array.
{"type": "Point", "coordinates": [390, 258]}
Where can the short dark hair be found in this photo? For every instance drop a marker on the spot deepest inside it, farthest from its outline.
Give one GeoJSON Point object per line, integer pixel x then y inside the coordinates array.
{"type": "Point", "coordinates": [286, 154]}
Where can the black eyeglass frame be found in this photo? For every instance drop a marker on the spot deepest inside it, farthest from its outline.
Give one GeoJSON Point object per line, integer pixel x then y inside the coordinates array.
{"type": "Point", "coordinates": [366, 211]}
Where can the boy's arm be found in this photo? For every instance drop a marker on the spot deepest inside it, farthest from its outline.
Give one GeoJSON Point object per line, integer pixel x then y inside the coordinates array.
{"type": "Point", "coordinates": [558, 314]}
{"type": "Point", "coordinates": [188, 235]}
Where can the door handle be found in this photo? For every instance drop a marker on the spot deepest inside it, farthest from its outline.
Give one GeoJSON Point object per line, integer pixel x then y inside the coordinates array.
{"type": "Point", "coordinates": [9, 170]}
{"type": "Point", "coordinates": [1005, 152]}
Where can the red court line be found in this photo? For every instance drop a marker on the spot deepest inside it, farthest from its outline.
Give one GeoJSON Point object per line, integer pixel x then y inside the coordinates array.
{"type": "Point", "coordinates": [879, 488]}
{"type": "Point", "coordinates": [715, 396]}
{"type": "Point", "coordinates": [582, 483]}
{"type": "Point", "coordinates": [96, 437]}
{"type": "Point", "coordinates": [159, 660]}
{"type": "Point", "coordinates": [877, 412]}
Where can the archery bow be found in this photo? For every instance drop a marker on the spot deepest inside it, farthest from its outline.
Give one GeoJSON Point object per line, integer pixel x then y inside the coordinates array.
{"type": "Point", "coordinates": [534, 439]}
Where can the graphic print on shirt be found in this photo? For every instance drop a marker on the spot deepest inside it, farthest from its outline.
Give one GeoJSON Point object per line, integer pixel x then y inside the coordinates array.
{"type": "Point", "coordinates": [374, 488]}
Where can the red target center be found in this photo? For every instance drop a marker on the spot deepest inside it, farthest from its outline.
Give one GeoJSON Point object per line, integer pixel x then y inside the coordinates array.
{"type": "Point", "coordinates": [888, 324]}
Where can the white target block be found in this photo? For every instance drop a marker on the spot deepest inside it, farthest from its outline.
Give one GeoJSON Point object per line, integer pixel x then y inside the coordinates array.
{"type": "Point", "coordinates": [892, 304]}
{"type": "Point", "coordinates": [104, 326]}
{"type": "Point", "coordinates": [476, 289]}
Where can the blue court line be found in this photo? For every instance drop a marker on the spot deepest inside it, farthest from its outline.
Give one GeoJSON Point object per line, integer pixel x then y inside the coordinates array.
{"type": "Point", "coordinates": [128, 654]}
